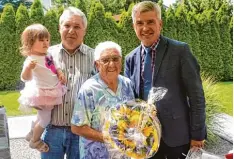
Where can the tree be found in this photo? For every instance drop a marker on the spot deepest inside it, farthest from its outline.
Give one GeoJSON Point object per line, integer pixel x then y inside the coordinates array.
{"type": "Point", "coordinates": [101, 26]}
{"type": "Point", "coordinates": [59, 11]}
{"type": "Point", "coordinates": [217, 4]}
{"type": "Point", "coordinates": [64, 3]}
{"type": "Point", "coordinates": [212, 63]}
{"type": "Point", "coordinates": [15, 3]}
{"type": "Point", "coordinates": [36, 12]}
{"type": "Point", "coordinates": [170, 29]}
{"type": "Point", "coordinates": [81, 5]}
{"type": "Point", "coordinates": [128, 39]}
{"type": "Point", "coordinates": [182, 24]}
{"type": "Point", "coordinates": [186, 4]}
{"type": "Point", "coordinates": [226, 43]}
{"type": "Point", "coordinates": [163, 14]}
{"type": "Point", "coordinates": [61, 2]}
{"type": "Point", "coordinates": [114, 6]}
{"type": "Point", "coordinates": [197, 6]}
{"type": "Point", "coordinates": [8, 52]}
{"type": "Point", "coordinates": [231, 28]}
{"type": "Point", "coordinates": [22, 21]}
{"type": "Point", "coordinates": [195, 38]}
{"type": "Point", "coordinates": [51, 23]}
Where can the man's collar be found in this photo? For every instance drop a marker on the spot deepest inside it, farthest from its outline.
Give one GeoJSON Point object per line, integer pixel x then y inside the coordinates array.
{"type": "Point", "coordinates": [82, 49]}
{"type": "Point", "coordinates": [79, 49]}
{"type": "Point", "coordinates": [153, 46]}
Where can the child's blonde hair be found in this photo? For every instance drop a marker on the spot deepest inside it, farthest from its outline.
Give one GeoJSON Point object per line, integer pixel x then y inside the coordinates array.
{"type": "Point", "coordinates": [30, 35]}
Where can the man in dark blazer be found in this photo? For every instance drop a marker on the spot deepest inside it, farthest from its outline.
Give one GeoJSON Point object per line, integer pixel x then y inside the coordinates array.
{"type": "Point", "coordinates": [170, 64]}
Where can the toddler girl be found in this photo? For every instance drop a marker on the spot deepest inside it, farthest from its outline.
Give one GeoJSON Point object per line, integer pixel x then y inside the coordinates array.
{"type": "Point", "coordinates": [43, 89]}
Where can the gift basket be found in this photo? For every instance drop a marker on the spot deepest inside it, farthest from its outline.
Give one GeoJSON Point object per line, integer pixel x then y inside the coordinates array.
{"type": "Point", "coordinates": [133, 128]}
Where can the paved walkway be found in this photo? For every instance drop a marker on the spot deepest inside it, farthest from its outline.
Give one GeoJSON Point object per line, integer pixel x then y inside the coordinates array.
{"type": "Point", "coordinates": [19, 126]}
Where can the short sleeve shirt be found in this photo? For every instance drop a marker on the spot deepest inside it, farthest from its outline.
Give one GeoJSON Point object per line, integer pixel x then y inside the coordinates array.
{"type": "Point", "coordinates": [93, 98]}
{"type": "Point", "coordinates": [42, 77]}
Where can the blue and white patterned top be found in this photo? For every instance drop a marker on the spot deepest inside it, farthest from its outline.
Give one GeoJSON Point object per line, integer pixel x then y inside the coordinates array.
{"type": "Point", "coordinates": [93, 98]}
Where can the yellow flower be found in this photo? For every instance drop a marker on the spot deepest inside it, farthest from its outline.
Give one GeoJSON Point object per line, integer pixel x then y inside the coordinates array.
{"type": "Point", "coordinates": [122, 125]}
{"type": "Point", "coordinates": [129, 144]}
{"type": "Point", "coordinates": [115, 115]}
{"type": "Point", "coordinates": [147, 131]}
{"type": "Point", "coordinates": [128, 111]}
{"type": "Point", "coordinates": [121, 135]}
{"type": "Point", "coordinates": [134, 120]}
{"type": "Point", "coordinates": [122, 110]}
{"type": "Point", "coordinates": [135, 112]}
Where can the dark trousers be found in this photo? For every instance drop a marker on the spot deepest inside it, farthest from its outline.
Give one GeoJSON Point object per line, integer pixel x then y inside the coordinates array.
{"type": "Point", "coordinates": [166, 152]}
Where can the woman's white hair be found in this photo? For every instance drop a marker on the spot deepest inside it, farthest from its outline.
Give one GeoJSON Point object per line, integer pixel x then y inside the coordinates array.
{"type": "Point", "coordinates": [101, 47]}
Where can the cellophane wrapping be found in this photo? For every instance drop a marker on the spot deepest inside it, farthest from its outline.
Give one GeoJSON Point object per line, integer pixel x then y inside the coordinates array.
{"type": "Point", "coordinates": [132, 128]}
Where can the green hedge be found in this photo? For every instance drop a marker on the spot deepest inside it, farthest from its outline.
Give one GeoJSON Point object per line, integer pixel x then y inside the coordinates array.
{"type": "Point", "coordinates": [207, 30]}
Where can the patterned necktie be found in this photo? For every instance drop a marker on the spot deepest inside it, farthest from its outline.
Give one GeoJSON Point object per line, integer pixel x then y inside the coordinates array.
{"type": "Point", "coordinates": [147, 73]}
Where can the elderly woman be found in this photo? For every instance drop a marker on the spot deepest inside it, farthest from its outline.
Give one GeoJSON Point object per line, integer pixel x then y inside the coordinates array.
{"type": "Point", "coordinates": [107, 88]}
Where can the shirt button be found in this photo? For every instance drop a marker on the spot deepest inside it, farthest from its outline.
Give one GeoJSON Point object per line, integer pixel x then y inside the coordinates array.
{"type": "Point", "coordinates": [70, 66]}
{"type": "Point", "coordinates": [70, 78]}
{"type": "Point", "coordinates": [68, 90]}
{"type": "Point", "coordinates": [66, 102]}
{"type": "Point", "coordinates": [67, 124]}
{"type": "Point", "coordinates": [66, 114]}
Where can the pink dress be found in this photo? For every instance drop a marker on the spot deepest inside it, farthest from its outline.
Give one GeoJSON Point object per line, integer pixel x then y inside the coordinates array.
{"type": "Point", "coordinates": [44, 91]}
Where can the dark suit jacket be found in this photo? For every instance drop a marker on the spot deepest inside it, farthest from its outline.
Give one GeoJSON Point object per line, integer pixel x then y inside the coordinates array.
{"type": "Point", "coordinates": [182, 110]}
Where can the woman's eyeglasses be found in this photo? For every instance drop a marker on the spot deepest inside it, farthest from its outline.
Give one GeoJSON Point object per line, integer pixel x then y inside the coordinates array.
{"type": "Point", "coordinates": [115, 59]}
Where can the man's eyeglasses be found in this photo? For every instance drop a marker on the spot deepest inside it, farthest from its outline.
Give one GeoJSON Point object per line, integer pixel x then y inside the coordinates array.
{"type": "Point", "coordinates": [115, 59]}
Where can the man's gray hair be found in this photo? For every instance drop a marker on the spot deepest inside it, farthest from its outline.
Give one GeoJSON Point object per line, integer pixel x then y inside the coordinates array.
{"type": "Point", "coordinates": [70, 11]}
{"type": "Point", "coordinates": [146, 6]}
{"type": "Point", "coordinates": [101, 47]}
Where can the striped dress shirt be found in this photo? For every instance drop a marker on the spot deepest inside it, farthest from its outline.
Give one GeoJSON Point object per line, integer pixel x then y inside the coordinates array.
{"type": "Point", "coordinates": [77, 68]}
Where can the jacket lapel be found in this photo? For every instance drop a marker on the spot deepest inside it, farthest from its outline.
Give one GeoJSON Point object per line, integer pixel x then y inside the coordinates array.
{"type": "Point", "coordinates": [137, 71]}
{"type": "Point", "coordinates": [161, 49]}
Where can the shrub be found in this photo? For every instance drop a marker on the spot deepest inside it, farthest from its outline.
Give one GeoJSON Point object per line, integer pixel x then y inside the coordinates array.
{"type": "Point", "coordinates": [213, 105]}
{"type": "Point", "coordinates": [8, 52]}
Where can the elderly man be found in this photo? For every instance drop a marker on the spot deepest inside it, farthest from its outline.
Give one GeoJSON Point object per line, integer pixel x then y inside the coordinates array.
{"type": "Point", "coordinates": [76, 61]}
{"type": "Point", "coordinates": [107, 88]}
{"type": "Point", "coordinates": [160, 61]}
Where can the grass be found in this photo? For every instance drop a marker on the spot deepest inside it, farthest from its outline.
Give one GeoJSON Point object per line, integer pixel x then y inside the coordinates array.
{"type": "Point", "coordinates": [218, 99]}
{"type": "Point", "coordinates": [9, 100]}
{"type": "Point", "coordinates": [224, 94]}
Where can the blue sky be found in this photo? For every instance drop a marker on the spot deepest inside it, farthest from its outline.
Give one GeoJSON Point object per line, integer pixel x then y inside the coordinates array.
{"type": "Point", "coordinates": [168, 2]}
